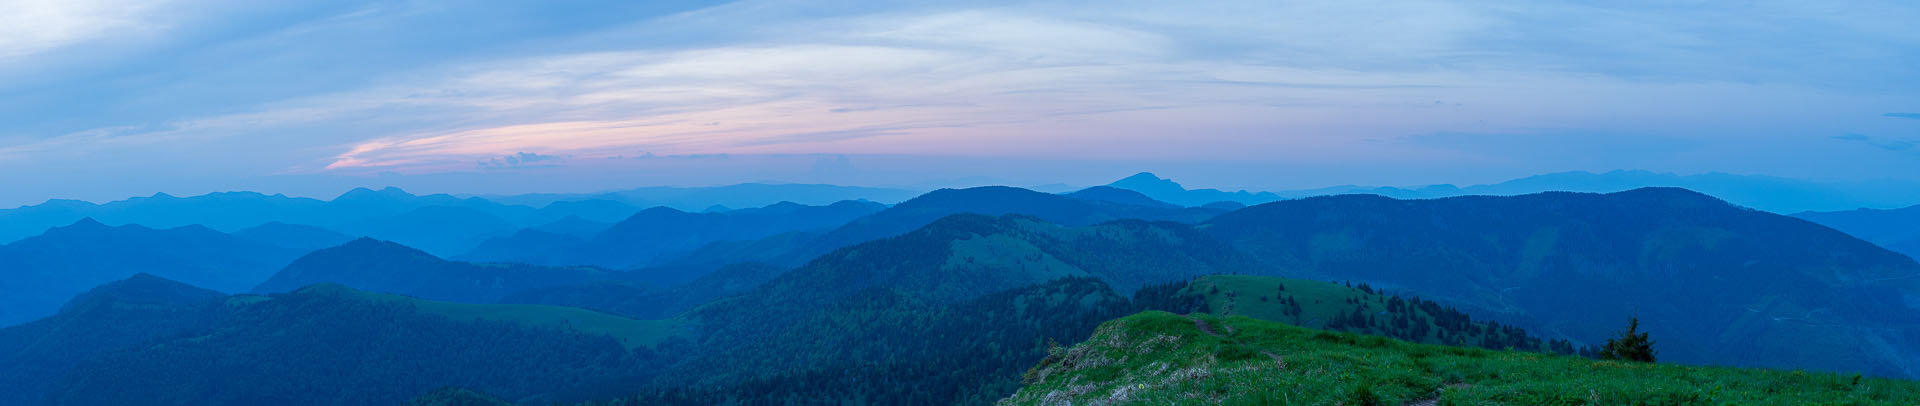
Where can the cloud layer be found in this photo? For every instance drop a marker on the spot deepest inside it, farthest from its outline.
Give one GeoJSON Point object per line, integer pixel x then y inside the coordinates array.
{"type": "Point", "coordinates": [1398, 86]}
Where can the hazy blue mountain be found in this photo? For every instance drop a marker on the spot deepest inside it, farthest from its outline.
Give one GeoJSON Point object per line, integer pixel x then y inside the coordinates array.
{"type": "Point", "coordinates": [231, 211]}
{"type": "Point", "coordinates": [1775, 194]}
{"type": "Point", "coordinates": [575, 226]}
{"type": "Point", "coordinates": [1909, 247]}
{"type": "Point", "coordinates": [741, 195]}
{"type": "Point", "coordinates": [1111, 194]}
{"type": "Point", "coordinates": [527, 246]}
{"type": "Point", "coordinates": [643, 238]}
{"type": "Point", "coordinates": [1721, 284]}
{"type": "Point", "coordinates": [1778, 195]}
{"type": "Point", "coordinates": [46, 270]}
{"type": "Point", "coordinates": [225, 211]}
{"type": "Point", "coordinates": [390, 201]}
{"type": "Point", "coordinates": [114, 316]}
{"type": "Point", "coordinates": [442, 230]}
{"type": "Point", "coordinates": [1169, 191]}
{"type": "Point", "coordinates": [386, 267]}
{"type": "Point", "coordinates": [1896, 229]}
{"type": "Point", "coordinates": [299, 237]}
{"type": "Point", "coordinates": [593, 210]}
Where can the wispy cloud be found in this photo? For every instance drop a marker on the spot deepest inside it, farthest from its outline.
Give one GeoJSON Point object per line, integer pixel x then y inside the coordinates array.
{"type": "Point", "coordinates": [523, 160]}
{"type": "Point", "coordinates": [1902, 115]}
{"type": "Point", "coordinates": [32, 26]}
{"type": "Point", "coordinates": [1886, 144]}
{"type": "Point", "coordinates": [1234, 80]}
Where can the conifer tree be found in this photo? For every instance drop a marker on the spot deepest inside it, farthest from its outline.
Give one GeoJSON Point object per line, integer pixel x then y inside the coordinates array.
{"type": "Point", "coordinates": [1631, 345]}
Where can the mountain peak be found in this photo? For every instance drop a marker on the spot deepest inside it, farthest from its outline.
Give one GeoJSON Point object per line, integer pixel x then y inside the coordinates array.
{"type": "Point", "coordinates": [1147, 182]}
{"type": "Point", "coordinates": [388, 192]}
{"type": "Point", "coordinates": [1142, 177]}
{"type": "Point", "coordinates": [87, 223]}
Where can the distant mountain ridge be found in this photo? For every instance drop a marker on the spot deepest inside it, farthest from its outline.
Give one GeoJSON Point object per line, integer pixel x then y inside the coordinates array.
{"type": "Point", "coordinates": [1895, 229]}
{"type": "Point", "coordinates": [1775, 194]}
{"type": "Point", "coordinates": [43, 271]}
{"type": "Point", "coordinates": [1172, 192]}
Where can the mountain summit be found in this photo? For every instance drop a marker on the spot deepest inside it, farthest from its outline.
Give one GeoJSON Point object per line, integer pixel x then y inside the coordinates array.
{"type": "Point", "coordinates": [1167, 190]}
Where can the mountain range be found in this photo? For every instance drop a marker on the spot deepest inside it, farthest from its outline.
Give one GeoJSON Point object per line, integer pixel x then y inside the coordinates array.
{"type": "Point", "coordinates": [1775, 194]}
{"type": "Point", "coordinates": [48, 269]}
{"type": "Point", "coordinates": [945, 298]}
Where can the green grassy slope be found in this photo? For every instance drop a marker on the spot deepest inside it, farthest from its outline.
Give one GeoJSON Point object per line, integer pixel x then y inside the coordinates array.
{"type": "Point", "coordinates": [629, 332]}
{"type": "Point", "coordinates": [1331, 306]}
{"type": "Point", "coordinates": [1158, 358]}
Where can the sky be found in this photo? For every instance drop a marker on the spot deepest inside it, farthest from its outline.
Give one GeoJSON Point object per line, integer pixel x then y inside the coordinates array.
{"type": "Point", "coordinates": [101, 100]}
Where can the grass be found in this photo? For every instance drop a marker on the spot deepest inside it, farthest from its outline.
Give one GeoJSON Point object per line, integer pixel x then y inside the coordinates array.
{"type": "Point", "coordinates": [1158, 358]}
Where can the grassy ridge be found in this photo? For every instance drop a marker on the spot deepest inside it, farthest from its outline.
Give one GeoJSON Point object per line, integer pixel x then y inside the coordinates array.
{"type": "Point", "coordinates": [1161, 358]}
{"type": "Point", "coordinates": [1331, 306]}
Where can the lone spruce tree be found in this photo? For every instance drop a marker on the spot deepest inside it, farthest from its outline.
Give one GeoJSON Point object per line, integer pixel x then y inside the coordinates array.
{"type": "Point", "coordinates": [1631, 345]}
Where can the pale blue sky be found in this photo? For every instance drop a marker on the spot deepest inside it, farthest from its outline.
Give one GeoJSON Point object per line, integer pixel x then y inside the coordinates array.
{"type": "Point", "coordinates": [108, 99]}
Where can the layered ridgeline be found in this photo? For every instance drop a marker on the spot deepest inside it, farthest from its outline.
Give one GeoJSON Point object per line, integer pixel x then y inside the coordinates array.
{"type": "Point", "coordinates": [43, 271]}
{"type": "Point", "coordinates": [155, 342]}
{"type": "Point", "coordinates": [1723, 284]}
{"type": "Point", "coordinates": [1072, 209]}
{"type": "Point", "coordinates": [229, 211]}
{"type": "Point", "coordinates": [1896, 229]}
{"type": "Point", "coordinates": [387, 267]}
{"type": "Point", "coordinates": [644, 237]}
{"type": "Point", "coordinates": [1778, 195]}
{"type": "Point", "coordinates": [1158, 358]}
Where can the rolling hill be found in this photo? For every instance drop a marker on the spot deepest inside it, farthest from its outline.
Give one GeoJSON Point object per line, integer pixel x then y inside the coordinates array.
{"type": "Point", "coordinates": [46, 270]}
{"type": "Point", "coordinates": [1160, 358]}
{"type": "Point", "coordinates": [1729, 285]}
